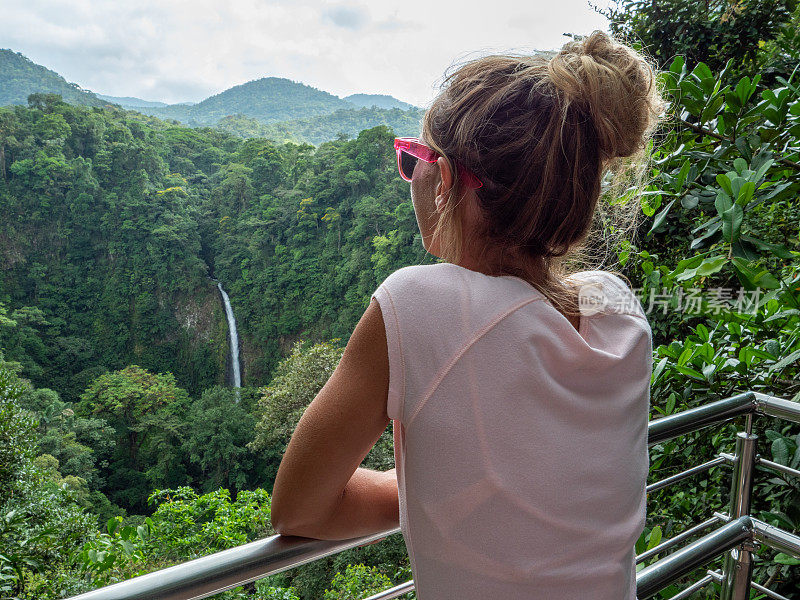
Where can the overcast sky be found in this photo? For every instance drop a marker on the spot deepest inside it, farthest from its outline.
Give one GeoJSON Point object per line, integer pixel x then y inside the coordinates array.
{"type": "Point", "coordinates": [186, 50]}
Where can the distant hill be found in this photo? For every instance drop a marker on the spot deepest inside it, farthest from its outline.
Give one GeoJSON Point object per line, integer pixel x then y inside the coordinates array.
{"type": "Point", "coordinates": [268, 100]}
{"type": "Point", "coordinates": [379, 100]}
{"type": "Point", "coordinates": [129, 102]}
{"type": "Point", "coordinates": [323, 128]}
{"type": "Point", "coordinates": [20, 76]}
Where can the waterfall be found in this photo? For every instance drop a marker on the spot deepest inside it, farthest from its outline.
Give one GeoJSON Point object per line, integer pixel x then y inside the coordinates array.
{"type": "Point", "coordinates": [237, 375]}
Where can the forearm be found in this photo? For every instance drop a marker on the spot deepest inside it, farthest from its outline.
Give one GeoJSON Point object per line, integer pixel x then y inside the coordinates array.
{"type": "Point", "coordinates": [369, 504]}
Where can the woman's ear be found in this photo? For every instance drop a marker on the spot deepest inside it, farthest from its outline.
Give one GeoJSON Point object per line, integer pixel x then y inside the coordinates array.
{"type": "Point", "coordinates": [444, 185]}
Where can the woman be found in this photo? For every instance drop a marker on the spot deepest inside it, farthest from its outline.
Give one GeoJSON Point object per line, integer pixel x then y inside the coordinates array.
{"type": "Point", "coordinates": [520, 420]}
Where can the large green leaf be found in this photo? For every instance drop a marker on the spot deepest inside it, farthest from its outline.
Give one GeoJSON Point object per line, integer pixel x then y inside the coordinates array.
{"type": "Point", "coordinates": [752, 278]}
{"type": "Point", "coordinates": [778, 250]}
{"type": "Point", "coordinates": [725, 183]}
{"type": "Point", "coordinates": [732, 222]}
{"type": "Point", "coordinates": [712, 265]}
{"type": "Point", "coordinates": [661, 216]}
{"type": "Point", "coordinates": [745, 193]}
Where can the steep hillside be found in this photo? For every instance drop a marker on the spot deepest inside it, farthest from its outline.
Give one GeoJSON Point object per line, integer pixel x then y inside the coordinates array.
{"type": "Point", "coordinates": [20, 76]}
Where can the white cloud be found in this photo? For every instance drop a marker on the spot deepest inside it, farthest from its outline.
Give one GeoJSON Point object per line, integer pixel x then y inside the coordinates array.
{"type": "Point", "coordinates": [179, 50]}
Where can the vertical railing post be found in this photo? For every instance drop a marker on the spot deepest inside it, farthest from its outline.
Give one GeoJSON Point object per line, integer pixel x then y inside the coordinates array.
{"type": "Point", "coordinates": [738, 568]}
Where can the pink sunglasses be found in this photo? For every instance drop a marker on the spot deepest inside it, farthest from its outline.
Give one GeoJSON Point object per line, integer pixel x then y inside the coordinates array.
{"type": "Point", "coordinates": [411, 149]}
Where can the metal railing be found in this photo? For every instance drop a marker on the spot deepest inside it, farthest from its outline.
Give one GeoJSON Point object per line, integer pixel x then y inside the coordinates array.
{"type": "Point", "coordinates": [737, 534]}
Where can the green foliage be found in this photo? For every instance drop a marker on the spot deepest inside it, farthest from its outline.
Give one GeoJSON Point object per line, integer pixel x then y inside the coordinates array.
{"type": "Point", "coordinates": [75, 442]}
{"type": "Point", "coordinates": [147, 210]}
{"type": "Point", "coordinates": [110, 556]}
{"type": "Point", "coordinates": [147, 412]}
{"type": "Point", "coordinates": [40, 520]}
{"type": "Point", "coordinates": [113, 225]}
{"type": "Point", "coordinates": [219, 429]}
{"type": "Point", "coordinates": [721, 257]}
{"type": "Point", "coordinates": [191, 525]}
{"type": "Point", "coordinates": [17, 442]}
{"type": "Point", "coordinates": [298, 379]}
{"type": "Point", "coordinates": [358, 581]}
{"type": "Point", "coordinates": [712, 33]}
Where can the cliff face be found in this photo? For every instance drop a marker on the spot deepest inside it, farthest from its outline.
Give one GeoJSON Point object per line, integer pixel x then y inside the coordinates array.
{"type": "Point", "coordinates": [257, 369]}
{"type": "Point", "coordinates": [203, 334]}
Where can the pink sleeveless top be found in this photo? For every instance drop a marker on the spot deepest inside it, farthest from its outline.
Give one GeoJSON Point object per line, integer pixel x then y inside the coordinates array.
{"type": "Point", "coordinates": [520, 442]}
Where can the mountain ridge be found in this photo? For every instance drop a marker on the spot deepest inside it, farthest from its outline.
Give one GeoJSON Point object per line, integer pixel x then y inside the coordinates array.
{"type": "Point", "coordinates": [281, 107]}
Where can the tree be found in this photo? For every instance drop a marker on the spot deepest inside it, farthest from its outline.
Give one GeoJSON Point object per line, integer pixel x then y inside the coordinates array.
{"type": "Point", "coordinates": [40, 522]}
{"type": "Point", "coordinates": [219, 429]}
{"type": "Point", "coordinates": [146, 410]}
{"type": "Point", "coordinates": [299, 378]}
{"type": "Point", "coordinates": [712, 32]}
{"type": "Point", "coordinates": [75, 442]}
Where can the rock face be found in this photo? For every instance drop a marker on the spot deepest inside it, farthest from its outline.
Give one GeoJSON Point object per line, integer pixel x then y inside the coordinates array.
{"type": "Point", "coordinates": [203, 323]}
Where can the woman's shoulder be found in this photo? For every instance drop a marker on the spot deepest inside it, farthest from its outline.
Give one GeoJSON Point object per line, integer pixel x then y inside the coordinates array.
{"type": "Point", "coordinates": [615, 280]}
{"type": "Point", "coordinates": [419, 276]}
{"type": "Point", "coordinates": [606, 291]}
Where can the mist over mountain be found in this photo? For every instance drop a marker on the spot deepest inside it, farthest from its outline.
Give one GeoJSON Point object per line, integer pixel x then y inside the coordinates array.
{"type": "Point", "coordinates": [130, 102]}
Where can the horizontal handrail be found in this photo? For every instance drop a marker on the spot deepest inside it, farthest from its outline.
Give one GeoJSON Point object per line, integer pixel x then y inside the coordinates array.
{"type": "Point", "coordinates": [776, 538]}
{"type": "Point", "coordinates": [669, 542]}
{"type": "Point", "coordinates": [777, 407]}
{"type": "Point", "coordinates": [717, 576]}
{"type": "Point", "coordinates": [667, 481]}
{"type": "Point", "coordinates": [394, 592]}
{"type": "Point", "coordinates": [698, 585]}
{"type": "Point", "coordinates": [209, 575]}
{"type": "Point", "coordinates": [215, 573]}
{"type": "Point", "coordinates": [687, 421]}
{"type": "Point", "coordinates": [655, 577]}
{"type": "Point", "coordinates": [768, 464]}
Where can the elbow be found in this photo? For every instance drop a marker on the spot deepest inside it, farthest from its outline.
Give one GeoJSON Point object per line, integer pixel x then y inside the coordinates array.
{"type": "Point", "coordinates": [283, 524]}
{"type": "Point", "coordinates": [284, 528]}
{"type": "Point", "coordinates": [277, 526]}
{"type": "Point", "coordinates": [279, 522]}
{"type": "Point", "coordinates": [279, 516]}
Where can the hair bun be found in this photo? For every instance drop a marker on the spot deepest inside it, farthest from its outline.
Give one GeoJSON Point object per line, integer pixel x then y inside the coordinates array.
{"type": "Point", "coordinates": [615, 84]}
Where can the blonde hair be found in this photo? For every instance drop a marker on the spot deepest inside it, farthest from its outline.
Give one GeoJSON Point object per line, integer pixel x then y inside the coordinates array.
{"type": "Point", "coordinates": [542, 132]}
